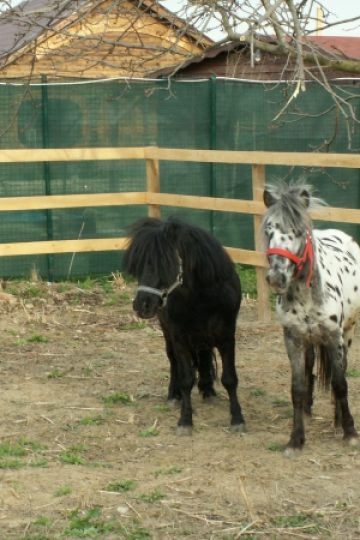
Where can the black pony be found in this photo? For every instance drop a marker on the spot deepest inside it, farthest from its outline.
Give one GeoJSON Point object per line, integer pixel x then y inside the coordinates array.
{"type": "Point", "coordinates": [186, 278]}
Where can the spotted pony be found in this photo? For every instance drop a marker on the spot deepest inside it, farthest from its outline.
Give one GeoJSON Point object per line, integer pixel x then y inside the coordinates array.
{"type": "Point", "coordinates": [316, 277]}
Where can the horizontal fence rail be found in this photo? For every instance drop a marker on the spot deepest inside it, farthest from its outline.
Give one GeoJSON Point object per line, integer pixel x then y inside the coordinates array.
{"type": "Point", "coordinates": [154, 199]}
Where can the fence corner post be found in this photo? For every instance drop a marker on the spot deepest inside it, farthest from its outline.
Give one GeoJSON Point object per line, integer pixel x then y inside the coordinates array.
{"type": "Point", "coordinates": [152, 180]}
{"type": "Point", "coordinates": [258, 184]}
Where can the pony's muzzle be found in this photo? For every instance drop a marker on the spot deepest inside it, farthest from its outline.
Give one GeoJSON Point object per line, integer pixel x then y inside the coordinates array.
{"type": "Point", "coordinates": [146, 305]}
{"type": "Point", "coordinates": [277, 281]}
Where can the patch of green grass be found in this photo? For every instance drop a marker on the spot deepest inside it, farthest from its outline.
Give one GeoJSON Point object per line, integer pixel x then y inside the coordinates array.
{"type": "Point", "coordinates": [63, 286]}
{"type": "Point", "coordinates": [151, 431]}
{"type": "Point", "coordinates": [152, 496]}
{"type": "Point", "coordinates": [55, 374]}
{"type": "Point", "coordinates": [293, 520]}
{"type": "Point", "coordinates": [9, 448]}
{"type": "Point", "coordinates": [19, 448]}
{"type": "Point", "coordinates": [275, 447]}
{"type": "Point", "coordinates": [44, 521]}
{"type": "Point", "coordinates": [122, 486]}
{"type": "Point", "coordinates": [248, 279]}
{"type": "Point", "coordinates": [106, 286]}
{"type": "Point", "coordinates": [353, 372]}
{"type": "Point", "coordinates": [37, 338]}
{"type": "Point", "coordinates": [86, 523]}
{"type": "Point", "coordinates": [281, 403]}
{"type": "Point", "coordinates": [90, 524]}
{"type": "Point", "coordinates": [125, 297]}
{"type": "Point", "coordinates": [167, 471]}
{"type": "Point", "coordinates": [118, 397]}
{"type": "Point", "coordinates": [257, 392]}
{"type": "Point", "coordinates": [135, 325]}
{"type": "Point", "coordinates": [95, 420]}
{"type": "Point", "coordinates": [10, 452]}
{"type": "Point", "coordinates": [164, 407]}
{"type": "Point", "coordinates": [20, 342]}
{"type": "Point", "coordinates": [61, 491]}
{"type": "Point", "coordinates": [111, 300]}
{"type": "Point", "coordinates": [87, 283]}
{"type": "Point", "coordinates": [73, 456]}
{"type": "Point", "coordinates": [10, 463]}
{"type": "Point", "coordinates": [32, 292]}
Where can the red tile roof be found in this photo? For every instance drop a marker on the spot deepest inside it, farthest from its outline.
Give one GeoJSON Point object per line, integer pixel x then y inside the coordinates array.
{"type": "Point", "coordinates": [343, 46]}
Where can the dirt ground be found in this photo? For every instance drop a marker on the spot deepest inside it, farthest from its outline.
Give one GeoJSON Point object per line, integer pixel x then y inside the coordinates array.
{"type": "Point", "coordinates": [87, 440]}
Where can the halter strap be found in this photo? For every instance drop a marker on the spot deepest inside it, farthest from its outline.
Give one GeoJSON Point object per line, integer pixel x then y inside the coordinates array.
{"type": "Point", "coordinates": [308, 255]}
{"type": "Point", "coordinates": [164, 293]}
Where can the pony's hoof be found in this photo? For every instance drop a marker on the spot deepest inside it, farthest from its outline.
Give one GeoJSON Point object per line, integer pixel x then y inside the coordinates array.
{"type": "Point", "coordinates": [173, 402]}
{"type": "Point", "coordinates": [210, 400]}
{"type": "Point", "coordinates": [291, 453]}
{"type": "Point", "coordinates": [184, 431]}
{"type": "Point", "coordinates": [238, 428]}
{"type": "Point", "coordinates": [353, 441]}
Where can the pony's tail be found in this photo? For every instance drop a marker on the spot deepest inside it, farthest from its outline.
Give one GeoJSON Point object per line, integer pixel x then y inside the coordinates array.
{"type": "Point", "coordinates": [324, 367]}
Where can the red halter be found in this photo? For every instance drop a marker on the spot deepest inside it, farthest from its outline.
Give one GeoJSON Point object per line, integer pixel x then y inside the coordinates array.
{"type": "Point", "coordinates": [308, 255]}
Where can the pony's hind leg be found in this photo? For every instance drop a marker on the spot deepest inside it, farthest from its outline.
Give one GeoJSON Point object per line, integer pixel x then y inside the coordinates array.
{"type": "Point", "coordinates": [340, 389]}
{"type": "Point", "coordinates": [309, 379]}
{"type": "Point", "coordinates": [207, 373]}
{"type": "Point", "coordinates": [337, 404]}
{"type": "Point", "coordinates": [230, 381]}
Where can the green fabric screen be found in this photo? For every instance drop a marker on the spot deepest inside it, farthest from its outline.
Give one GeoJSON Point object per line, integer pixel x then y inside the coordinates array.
{"type": "Point", "coordinates": [206, 114]}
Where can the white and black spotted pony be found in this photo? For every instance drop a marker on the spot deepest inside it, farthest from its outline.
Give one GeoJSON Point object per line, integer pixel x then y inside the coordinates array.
{"type": "Point", "coordinates": [316, 276]}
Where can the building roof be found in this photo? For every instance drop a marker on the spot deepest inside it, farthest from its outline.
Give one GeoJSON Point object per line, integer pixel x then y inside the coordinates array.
{"type": "Point", "coordinates": [29, 21]}
{"type": "Point", "coordinates": [212, 61]}
{"type": "Point", "coordinates": [340, 46]}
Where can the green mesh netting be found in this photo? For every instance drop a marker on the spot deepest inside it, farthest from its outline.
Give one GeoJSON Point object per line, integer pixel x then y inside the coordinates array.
{"type": "Point", "coordinates": [217, 114]}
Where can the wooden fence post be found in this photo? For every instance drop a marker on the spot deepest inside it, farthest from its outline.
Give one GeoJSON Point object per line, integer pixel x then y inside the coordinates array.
{"type": "Point", "coordinates": [153, 184]}
{"type": "Point", "coordinates": [258, 184]}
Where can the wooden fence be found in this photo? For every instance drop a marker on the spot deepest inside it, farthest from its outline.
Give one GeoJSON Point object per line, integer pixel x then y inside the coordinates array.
{"type": "Point", "coordinates": [155, 199]}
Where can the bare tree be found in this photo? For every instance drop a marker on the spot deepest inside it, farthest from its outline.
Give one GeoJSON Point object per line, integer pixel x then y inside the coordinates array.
{"type": "Point", "coordinates": [284, 28]}
{"type": "Point", "coordinates": [72, 38]}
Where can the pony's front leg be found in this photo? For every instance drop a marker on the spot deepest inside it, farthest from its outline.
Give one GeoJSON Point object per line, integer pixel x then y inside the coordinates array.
{"type": "Point", "coordinates": [174, 393]}
{"type": "Point", "coordinates": [295, 351]}
{"type": "Point", "coordinates": [185, 380]}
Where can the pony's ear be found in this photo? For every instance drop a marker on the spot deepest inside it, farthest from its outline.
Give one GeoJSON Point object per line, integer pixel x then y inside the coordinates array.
{"type": "Point", "coordinates": [305, 198]}
{"type": "Point", "coordinates": [269, 199]}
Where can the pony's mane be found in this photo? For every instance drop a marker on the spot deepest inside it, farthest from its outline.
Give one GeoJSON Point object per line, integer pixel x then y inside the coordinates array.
{"type": "Point", "coordinates": [291, 206]}
{"type": "Point", "coordinates": [148, 243]}
{"type": "Point", "coordinates": [157, 240]}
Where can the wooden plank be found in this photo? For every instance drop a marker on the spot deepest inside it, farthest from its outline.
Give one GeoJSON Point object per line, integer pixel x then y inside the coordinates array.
{"type": "Point", "coordinates": [69, 154]}
{"type": "Point", "coordinates": [263, 303]}
{"type": "Point", "coordinates": [246, 256]}
{"type": "Point", "coordinates": [169, 154]}
{"type": "Point", "coordinates": [43, 202]}
{"type": "Point", "coordinates": [206, 203]}
{"type": "Point", "coordinates": [107, 244]}
{"type": "Point", "coordinates": [338, 215]}
{"type": "Point", "coordinates": [257, 157]}
{"type": "Point", "coordinates": [63, 246]}
{"type": "Point", "coordinates": [153, 185]}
